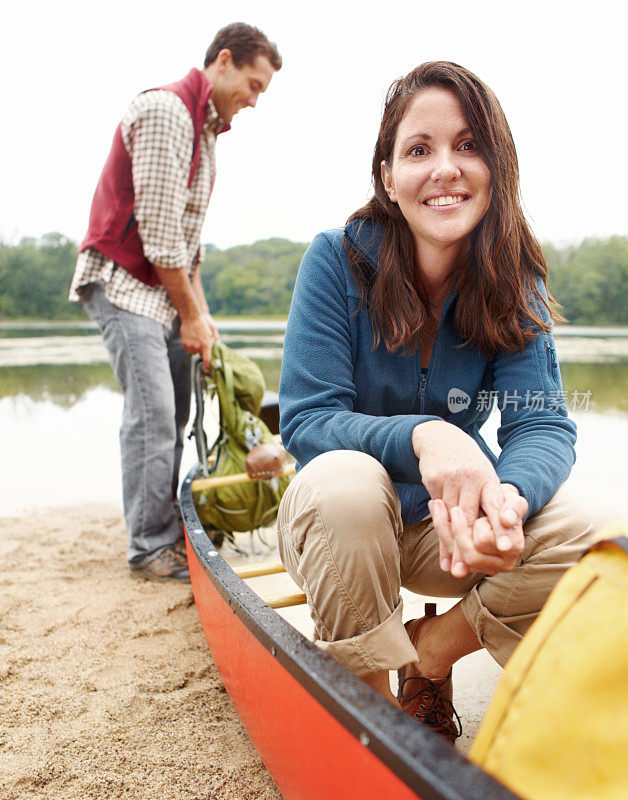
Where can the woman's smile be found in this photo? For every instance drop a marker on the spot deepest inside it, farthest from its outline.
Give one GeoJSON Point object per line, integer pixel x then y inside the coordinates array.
{"type": "Point", "coordinates": [446, 201]}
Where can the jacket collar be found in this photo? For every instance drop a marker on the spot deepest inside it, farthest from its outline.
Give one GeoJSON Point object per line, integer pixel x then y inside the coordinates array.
{"type": "Point", "coordinates": [202, 89]}
{"type": "Point", "coordinates": [195, 91]}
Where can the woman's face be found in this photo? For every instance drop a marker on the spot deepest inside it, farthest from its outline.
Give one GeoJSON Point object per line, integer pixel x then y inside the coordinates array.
{"type": "Point", "coordinates": [436, 174]}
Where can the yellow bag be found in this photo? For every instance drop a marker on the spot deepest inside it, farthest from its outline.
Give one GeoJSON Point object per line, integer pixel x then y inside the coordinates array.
{"type": "Point", "coordinates": [557, 727]}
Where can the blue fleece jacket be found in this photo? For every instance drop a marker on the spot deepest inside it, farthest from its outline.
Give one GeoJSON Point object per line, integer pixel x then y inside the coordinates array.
{"type": "Point", "coordinates": [338, 393]}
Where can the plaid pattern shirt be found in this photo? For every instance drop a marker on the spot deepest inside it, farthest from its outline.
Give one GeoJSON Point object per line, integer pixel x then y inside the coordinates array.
{"type": "Point", "coordinates": [158, 134]}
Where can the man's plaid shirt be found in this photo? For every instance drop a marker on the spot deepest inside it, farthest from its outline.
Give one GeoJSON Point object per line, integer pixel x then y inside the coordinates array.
{"type": "Point", "coordinates": [158, 134]}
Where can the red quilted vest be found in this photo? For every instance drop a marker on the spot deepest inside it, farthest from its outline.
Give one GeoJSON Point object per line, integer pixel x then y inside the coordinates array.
{"type": "Point", "coordinates": [112, 227]}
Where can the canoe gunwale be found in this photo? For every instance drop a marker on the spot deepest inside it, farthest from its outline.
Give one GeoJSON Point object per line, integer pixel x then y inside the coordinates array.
{"type": "Point", "coordinates": [423, 760]}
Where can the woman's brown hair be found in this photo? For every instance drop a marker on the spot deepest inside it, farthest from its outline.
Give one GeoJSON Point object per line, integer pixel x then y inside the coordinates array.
{"type": "Point", "coordinates": [498, 304]}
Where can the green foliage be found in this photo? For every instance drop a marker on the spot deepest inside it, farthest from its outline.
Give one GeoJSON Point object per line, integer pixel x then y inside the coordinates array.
{"type": "Point", "coordinates": [590, 280]}
{"type": "Point", "coordinates": [255, 279]}
{"type": "Point", "coordinates": [35, 278]}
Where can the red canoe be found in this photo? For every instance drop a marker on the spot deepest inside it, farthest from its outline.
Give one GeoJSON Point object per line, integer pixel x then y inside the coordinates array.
{"type": "Point", "coordinates": [322, 733]}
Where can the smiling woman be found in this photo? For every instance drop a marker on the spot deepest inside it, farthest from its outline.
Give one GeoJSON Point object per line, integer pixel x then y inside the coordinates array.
{"type": "Point", "coordinates": [436, 290]}
{"type": "Point", "coordinates": [433, 176]}
{"type": "Point", "coordinates": [444, 137]}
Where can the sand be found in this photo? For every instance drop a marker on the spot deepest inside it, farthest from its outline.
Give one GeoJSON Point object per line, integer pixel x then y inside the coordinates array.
{"type": "Point", "coordinates": [107, 687]}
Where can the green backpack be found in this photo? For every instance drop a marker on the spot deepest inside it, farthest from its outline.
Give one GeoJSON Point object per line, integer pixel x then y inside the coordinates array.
{"type": "Point", "coordinates": [239, 385]}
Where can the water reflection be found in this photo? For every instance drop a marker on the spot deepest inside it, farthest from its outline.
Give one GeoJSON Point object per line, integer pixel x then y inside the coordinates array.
{"type": "Point", "coordinates": [30, 332]}
{"type": "Point", "coordinates": [60, 454]}
{"type": "Point", "coordinates": [607, 383]}
{"type": "Point", "coordinates": [64, 384]}
{"type": "Point", "coordinates": [60, 405]}
{"type": "Point", "coordinates": [66, 419]}
{"type": "Point", "coordinates": [60, 384]}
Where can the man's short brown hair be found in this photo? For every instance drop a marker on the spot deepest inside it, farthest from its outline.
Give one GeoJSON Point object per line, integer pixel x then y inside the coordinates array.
{"type": "Point", "coordinates": [245, 43]}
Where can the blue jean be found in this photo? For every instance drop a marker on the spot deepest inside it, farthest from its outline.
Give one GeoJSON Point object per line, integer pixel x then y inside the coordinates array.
{"type": "Point", "coordinates": [154, 373]}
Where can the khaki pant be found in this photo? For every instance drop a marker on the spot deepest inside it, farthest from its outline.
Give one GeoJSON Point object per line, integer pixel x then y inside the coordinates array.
{"type": "Point", "coordinates": [342, 540]}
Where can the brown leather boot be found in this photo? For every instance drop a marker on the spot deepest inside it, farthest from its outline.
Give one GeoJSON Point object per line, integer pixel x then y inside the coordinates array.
{"type": "Point", "coordinates": [170, 564]}
{"type": "Point", "coordinates": [428, 700]}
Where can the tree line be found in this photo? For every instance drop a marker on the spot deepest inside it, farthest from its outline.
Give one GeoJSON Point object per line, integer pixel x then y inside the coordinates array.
{"type": "Point", "coordinates": [590, 279]}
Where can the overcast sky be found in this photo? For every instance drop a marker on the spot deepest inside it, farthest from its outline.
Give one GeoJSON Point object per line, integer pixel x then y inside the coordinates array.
{"type": "Point", "coordinates": [300, 162]}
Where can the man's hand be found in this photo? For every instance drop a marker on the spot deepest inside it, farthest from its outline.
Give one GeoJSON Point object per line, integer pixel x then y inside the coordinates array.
{"type": "Point", "coordinates": [197, 336]}
{"type": "Point", "coordinates": [198, 329]}
{"type": "Point", "coordinates": [212, 326]}
{"type": "Point", "coordinates": [466, 498]}
{"type": "Point", "coordinates": [199, 294]}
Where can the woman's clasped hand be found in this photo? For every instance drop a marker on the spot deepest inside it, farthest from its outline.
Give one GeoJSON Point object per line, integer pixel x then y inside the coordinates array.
{"type": "Point", "coordinates": [479, 521]}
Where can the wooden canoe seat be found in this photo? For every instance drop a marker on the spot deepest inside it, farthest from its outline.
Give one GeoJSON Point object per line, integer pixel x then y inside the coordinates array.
{"type": "Point", "coordinates": [271, 568]}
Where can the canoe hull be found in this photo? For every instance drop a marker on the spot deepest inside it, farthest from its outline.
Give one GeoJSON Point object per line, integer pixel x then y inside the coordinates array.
{"type": "Point", "coordinates": [321, 733]}
{"type": "Point", "coordinates": [294, 745]}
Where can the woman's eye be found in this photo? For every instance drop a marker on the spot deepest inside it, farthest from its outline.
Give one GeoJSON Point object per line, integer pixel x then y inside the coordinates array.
{"type": "Point", "coordinates": [468, 145]}
{"type": "Point", "coordinates": [417, 150]}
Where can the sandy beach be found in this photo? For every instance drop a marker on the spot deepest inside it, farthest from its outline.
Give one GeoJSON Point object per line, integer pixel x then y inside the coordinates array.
{"type": "Point", "coordinates": [107, 688]}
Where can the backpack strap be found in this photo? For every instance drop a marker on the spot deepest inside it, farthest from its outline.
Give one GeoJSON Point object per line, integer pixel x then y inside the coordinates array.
{"type": "Point", "coordinates": [225, 386]}
{"type": "Point", "coordinates": [198, 429]}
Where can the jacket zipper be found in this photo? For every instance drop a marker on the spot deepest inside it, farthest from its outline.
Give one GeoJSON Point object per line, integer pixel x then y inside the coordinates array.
{"type": "Point", "coordinates": [551, 355]}
{"type": "Point", "coordinates": [425, 375]}
{"type": "Point", "coordinates": [422, 385]}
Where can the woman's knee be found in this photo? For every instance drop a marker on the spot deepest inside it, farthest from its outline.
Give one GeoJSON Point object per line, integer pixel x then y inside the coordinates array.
{"type": "Point", "coordinates": [339, 525]}
{"type": "Point", "coordinates": [584, 506]}
{"type": "Point", "coordinates": [348, 488]}
{"type": "Point", "coordinates": [345, 502]}
{"type": "Point", "coordinates": [574, 518]}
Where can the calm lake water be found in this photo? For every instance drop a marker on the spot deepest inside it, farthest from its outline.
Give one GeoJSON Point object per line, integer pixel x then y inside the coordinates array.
{"type": "Point", "coordinates": [60, 408]}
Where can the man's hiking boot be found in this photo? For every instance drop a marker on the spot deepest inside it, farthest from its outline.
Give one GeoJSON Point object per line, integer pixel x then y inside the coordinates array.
{"type": "Point", "coordinates": [429, 701]}
{"type": "Point", "coordinates": [170, 564]}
